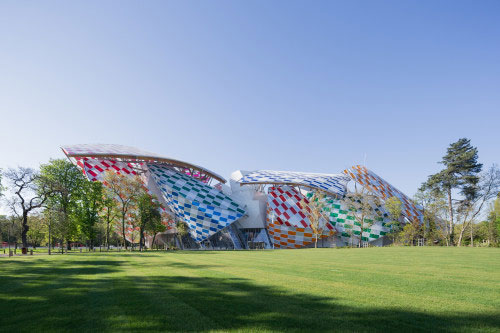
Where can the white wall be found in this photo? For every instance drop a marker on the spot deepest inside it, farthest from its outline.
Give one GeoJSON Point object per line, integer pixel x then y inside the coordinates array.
{"type": "Point", "coordinates": [253, 201]}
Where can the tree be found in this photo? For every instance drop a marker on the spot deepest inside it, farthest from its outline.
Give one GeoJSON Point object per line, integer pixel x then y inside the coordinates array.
{"type": "Point", "coordinates": [460, 173]}
{"type": "Point", "coordinates": [133, 227]}
{"type": "Point", "coordinates": [126, 191]}
{"type": "Point", "coordinates": [365, 208]}
{"type": "Point", "coordinates": [51, 215]}
{"type": "Point", "coordinates": [437, 214]}
{"type": "Point", "coordinates": [30, 193]}
{"type": "Point", "coordinates": [109, 213]}
{"type": "Point", "coordinates": [434, 207]}
{"type": "Point", "coordinates": [409, 233]}
{"type": "Point", "coordinates": [87, 208]}
{"type": "Point", "coordinates": [313, 209]}
{"type": "Point", "coordinates": [150, 217]}
{"type": "Point", "coordinates": [394, 208]}
{"type": "Point", "coordinates": [497, 213]}
{"type": "Point", "coordinates": [482, 233]}
{"type": "Point", "coordinates": [158, 225]}
{"type": "Point", "coordinates": [10, 229]}
{"type": "Point", "coordinates": [182, 229]}
{"type": "Point", "coordinates": [155, 227]}
{"type": "Point", "coordinates": [37, 230]}
{"type": "Point", "coordinates": [494, 222]}
{"type": "Point", "coordinates": [1, 187]}
{"type": "Point", "coordinates": [4, 225]}
{"type": "Point", "coordinates": [62, 228]}
{"type": "Point", "coordinates": [66, 181]}
{"type": "Point", "coordinates": [471, 206]}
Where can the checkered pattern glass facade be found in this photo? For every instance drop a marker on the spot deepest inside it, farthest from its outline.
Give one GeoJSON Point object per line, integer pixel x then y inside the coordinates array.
{"type": "Point", "coordinates": [284, 203]}
{"type": "Point", "coordinates": [291, 237]}
{"type": "Point", "coordinates": [119, 152]}
{"type": "Point", "coordinates": [99, 149]}
{"type": "Point", "coordinates": [346, 224]}
{"type": "Point", "coordinates": [287, 224]}
{"type": "Point", "coordinates": [384, 190]}
{"type": "Point", "coordinates": [332, 183]}
{"type": "Point", "coordinates": [94, 168]}
{"type": "Point", "coordinates": [205, 209]}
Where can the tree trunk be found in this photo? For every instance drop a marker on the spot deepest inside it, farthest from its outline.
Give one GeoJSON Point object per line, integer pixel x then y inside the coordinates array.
{"type": "Point", "coordinates": [65, 214]}
{"type": "Point", "coordinates": [153, 242]}
{"type": "Point", "coordinates": [461, 236]}
{"type": "Point", "coordinates": [50, 233]}
{"type": "Point", "coordinates": [107, 235]}
{"type": "Point", "coordinates": [471, 235]}
{"type": "Point", "coordinates": [123, 230]}
{"type": "Point", "coordinates": [491, 232]}
{"type": "Point", "coordinates": [25, 229]}
{"type": "Point", "coordinates": [450, 210]}
{"type": "Point", "coordinates": [141, 239]}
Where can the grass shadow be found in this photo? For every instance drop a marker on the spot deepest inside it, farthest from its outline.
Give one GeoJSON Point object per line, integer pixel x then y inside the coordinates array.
{"type": "Point", "coordinates": [54, 296]}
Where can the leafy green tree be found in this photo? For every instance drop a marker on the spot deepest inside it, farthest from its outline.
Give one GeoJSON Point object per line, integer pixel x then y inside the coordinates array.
{"type": "Point", "coordinates": [482, 233]}
{"type": "Point", "coordinates": [155, 224]}
{"type": "Point", "coordinates": [37, 231]}
{"type": "Point", "coordinates": [4, 223]}
{"type": "Point", "coordinates": [87, 209]}
{"type": "Point", "coordinates": [182, 229]}
{"type": "Point", "coordinates": [52, 217]}
{"type": "Point", "coordinates": [63, 227]}
{"type": "Point", "coordinates": [394, 207]}
{"type": "Point", "coordinates": [436, 215]}
{"type": "Point", "coordinates": [149, 214]}
{"type": "Point", "coordinates": [14, 231]}
{"type": "Point", "coordinates": [434, 227]}
{"type": "Point", "coordinates": [100, 232]}
{"type": "Point", "coordinates": [66, 182]}
{"type": "Point", "coordinates": [470, 208]}
{"type": "Point", "coordinates": [494, 222]}
{"type": "Point", "coordinates": [410, 231]}
{"type": "Point", "coordinates": [154, 228]}
{"type": "Point", "coordinates": [496, 208]}
{"type": "Point", "coordinates": [10, 229]}
{"type": "Point", "coordinates": [126, 191]}
{"type": "Point", "coordinates": [109, 214]}
{"type": "Point", "coordinates": [1, 187]}
{"type": "Point", "coordinates": [461, 173]}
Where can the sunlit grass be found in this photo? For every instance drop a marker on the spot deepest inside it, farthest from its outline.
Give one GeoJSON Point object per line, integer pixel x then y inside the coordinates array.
{"type": "Point", "coordinates": [375, 289]}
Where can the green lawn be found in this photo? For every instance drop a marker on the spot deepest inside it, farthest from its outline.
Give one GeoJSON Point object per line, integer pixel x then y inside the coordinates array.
{"type": "Point", "coordinates": [375, 289]}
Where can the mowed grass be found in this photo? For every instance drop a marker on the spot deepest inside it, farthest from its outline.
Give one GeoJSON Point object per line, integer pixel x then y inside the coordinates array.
{"type": "Point", "coordinates": [374, 289]}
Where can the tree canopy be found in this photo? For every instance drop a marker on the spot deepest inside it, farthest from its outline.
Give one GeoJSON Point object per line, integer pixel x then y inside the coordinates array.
{"type": "Point", "coordinates": [461, 173]}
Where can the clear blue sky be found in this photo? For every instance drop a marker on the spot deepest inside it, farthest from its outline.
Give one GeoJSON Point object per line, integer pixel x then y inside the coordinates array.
{"type": "Point", "coordinates": [306, 86]}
